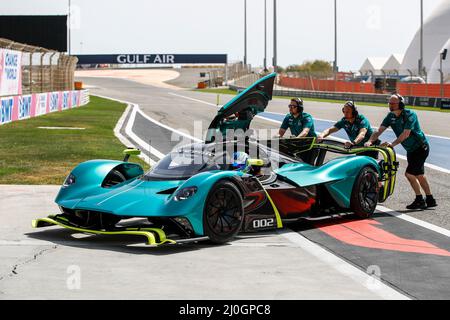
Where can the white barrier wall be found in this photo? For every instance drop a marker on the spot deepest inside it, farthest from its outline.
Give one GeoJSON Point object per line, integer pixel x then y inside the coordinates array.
{"type": "Point", "coordinates": [20, 107]}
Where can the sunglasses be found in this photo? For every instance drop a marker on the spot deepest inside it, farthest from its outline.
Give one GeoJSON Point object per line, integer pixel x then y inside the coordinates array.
{"type": "Point", "coordinates": [293, 106]}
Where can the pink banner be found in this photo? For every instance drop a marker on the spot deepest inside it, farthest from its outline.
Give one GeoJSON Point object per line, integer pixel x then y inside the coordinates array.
{"type": "Point", "coordinates": [32, 105]}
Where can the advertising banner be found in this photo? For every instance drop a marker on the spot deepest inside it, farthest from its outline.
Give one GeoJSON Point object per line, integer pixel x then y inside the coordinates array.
{"type": "Point", "coordinates": [24, 107]}
{"type": "Point", "coordinates": [6, 109]}
{"type": "Point", "coordinates": [10, 72]}
{"type": "Point", "coordinates": [41, 103]}
{"type": "Point", "coordinates": [36, 104]}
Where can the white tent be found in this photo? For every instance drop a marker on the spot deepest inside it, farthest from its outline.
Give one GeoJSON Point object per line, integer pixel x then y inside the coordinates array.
{"type": "Point", "coordinates": [434, 75]}
{"type": "Point", "coordinates": [373, 65]}
{"type": "Point", "coordinates": [392, 65]}
{"type": "Point", "coordinates": [436, 32]}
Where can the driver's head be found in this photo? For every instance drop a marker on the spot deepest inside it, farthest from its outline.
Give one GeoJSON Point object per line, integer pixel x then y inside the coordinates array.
{"type": "Point", "coordinates": [239, 160]}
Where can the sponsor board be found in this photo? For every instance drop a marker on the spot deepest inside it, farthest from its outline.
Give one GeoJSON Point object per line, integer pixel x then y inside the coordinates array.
{"type": "Point", "coordinates": [65, 100]}
{"type": "Point", "coordinates": [54, 101]}
{"type": "Point", "coordinates": [41, 103]}
{"type": "Point", "coordinates": [10, 72]}
{"type": "Point", "coordinates": [6, 109]}
{"type": "Point", "coordinates": [25, 106]}
{"type": "Point", "coordinates": [32, 105]}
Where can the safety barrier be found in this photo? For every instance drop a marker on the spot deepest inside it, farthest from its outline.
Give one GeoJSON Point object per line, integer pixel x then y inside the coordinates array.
{"type": "Point", "coordinates": [19, 107]}
{"type": "Point", "coordinates": [26, 69]}
{"type": "Point", "coordinates": [405, 89]}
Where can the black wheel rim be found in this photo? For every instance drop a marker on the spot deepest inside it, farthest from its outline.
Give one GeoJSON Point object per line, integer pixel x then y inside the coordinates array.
{"type": "Point", "coordinates": [223, 212]}
{"type": "Point", "coordinates": [368, 193]}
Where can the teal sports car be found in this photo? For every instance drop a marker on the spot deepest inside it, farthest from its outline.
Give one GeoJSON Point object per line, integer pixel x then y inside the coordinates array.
{"type": "Point", "coordinates": [222, 186]}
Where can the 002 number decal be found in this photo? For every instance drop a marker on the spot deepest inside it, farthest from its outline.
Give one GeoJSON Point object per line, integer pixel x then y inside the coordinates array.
{"type": "Point", "coordinates": [263, 223]}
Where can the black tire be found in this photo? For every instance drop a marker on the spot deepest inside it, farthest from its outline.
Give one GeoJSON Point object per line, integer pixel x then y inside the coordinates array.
{"type": "Point", "coordinates": [113, 178]}
{"type": "Point", "coordinates": [223, 214]}
{"type": "Point", "coordinates": [364, 196]}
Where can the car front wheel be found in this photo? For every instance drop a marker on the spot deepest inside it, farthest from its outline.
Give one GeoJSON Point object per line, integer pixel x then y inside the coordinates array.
{"type": "Point", "coordinates": [223, 212]}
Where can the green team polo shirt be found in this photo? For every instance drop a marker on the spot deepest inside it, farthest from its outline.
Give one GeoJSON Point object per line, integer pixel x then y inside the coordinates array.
{"type": "Point", "coordinates": [352, 129]}
{"type": "Point", "coordinates": [407, 120]}
{"type": "Point", "coordinates": [304, 120]}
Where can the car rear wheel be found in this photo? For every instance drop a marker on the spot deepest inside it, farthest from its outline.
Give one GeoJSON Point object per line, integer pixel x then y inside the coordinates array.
{"type": "Point", "coordinates": [364, 196]}
{"type": "Point", "coordinates": [223, 213]}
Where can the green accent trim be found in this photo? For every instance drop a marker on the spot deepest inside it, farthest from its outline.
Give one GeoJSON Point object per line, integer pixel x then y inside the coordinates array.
{"type": "Point", "coordinates": [132, 152]}
{"type": "Point", "coordinates": [161, 234]}
{"type": "Point", "coordinates": [145, 232]}
{"type": "Point", "coordinates": [277, 213]}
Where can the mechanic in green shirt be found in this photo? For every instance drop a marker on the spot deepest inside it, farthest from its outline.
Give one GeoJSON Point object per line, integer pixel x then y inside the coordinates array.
{"type": "Point", "coordinates": [406, 127]}
{"type": "Point", "coordinates": [300, 123]}
{"type": "Point", "coordinates": [356, 126]}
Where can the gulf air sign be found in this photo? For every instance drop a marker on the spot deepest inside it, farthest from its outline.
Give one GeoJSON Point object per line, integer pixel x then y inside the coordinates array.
{"type": "Point", "coordinates": [152, 59]}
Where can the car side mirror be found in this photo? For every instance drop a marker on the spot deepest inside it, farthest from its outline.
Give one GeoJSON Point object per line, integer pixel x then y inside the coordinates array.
{"type": "Point", "coordinates": [130, 152]}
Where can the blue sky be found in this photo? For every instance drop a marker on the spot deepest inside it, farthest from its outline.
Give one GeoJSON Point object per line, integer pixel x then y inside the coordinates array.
{"type": "Point", "coordinates": [305, 28]}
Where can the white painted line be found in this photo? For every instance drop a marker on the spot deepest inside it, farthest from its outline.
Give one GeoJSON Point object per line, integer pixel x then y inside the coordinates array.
{"type": "Point", "coordinates": [418, 222]}
{"type": "Point", "coordinates": [165, 126]}
{"type": "Point", "coordinates": [124, 140]}
{"type": "Point", "coordinates": [366, 280]}
{"type": "Point", "coordinates": [61, 128]}
{"type": "Point", "coordinates": [139, 141]}
{"type": "Point", "coordinates": [196, 100]}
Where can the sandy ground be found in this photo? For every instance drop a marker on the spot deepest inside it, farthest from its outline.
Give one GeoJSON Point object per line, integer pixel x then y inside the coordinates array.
{"type": "Point", "coordinates": [153, 77]}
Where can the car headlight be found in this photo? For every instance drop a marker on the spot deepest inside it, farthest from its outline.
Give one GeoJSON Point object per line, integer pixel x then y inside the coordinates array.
{"type": "Point", "coordinates": [69, 180]}
{"type": "Point", "coordinates": [185, 193]}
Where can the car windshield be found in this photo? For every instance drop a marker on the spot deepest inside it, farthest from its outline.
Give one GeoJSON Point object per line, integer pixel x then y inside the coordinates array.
{"type": "Point", "coordinates": [182, 164]}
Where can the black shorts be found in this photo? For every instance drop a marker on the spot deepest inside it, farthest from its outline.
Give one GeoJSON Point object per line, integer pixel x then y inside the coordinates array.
{"type": "Point", "coordinates": [416, 160]}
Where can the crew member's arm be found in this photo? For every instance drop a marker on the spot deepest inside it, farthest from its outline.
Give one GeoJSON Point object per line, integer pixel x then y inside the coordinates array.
{"type": "Point", "coordinates": [375, 135]}
{"type": "Point", "coordinates": [409, 125]}
{"type": "Point", "coordinates": [304, 133]}
{"type": "Point", "coordinates": [360, 136]}
{"type": "Point", "coordinates": [405, 134]}
{"type": "Point", "coordinates": [325, 133]}
{"type": "Point", "coordinates": [284, 126]}
{"type": "Point", "coordinates": [307, 123]}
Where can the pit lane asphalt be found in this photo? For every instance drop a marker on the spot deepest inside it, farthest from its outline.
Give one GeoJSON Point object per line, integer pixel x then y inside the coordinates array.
{"type": "Point", "coordinates": [55, 263]}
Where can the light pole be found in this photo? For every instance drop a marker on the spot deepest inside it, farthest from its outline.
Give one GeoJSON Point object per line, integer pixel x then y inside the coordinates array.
{"type": "Point", "coordinates": [275, 35]}
{"type": "Point", "coordinates": [335, 68]}
{"type": "Point", "coordinates": [245, 33]}
{"type": "Point", "coordinates": [69, 26]}
{"type": "Point", "coordinates": [421, 39]}
{"type": "Point", "coordinates": [265, 35]}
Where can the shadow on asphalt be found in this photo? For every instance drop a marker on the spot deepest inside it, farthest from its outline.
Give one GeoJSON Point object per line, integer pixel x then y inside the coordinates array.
{"type": "Point", "coordinates": [134, 244]}
{"type": "Point", "coordinates": [122, 243]}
